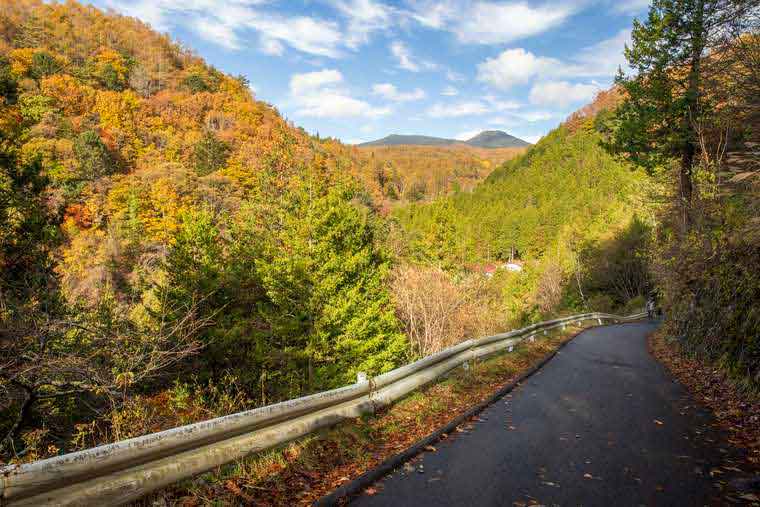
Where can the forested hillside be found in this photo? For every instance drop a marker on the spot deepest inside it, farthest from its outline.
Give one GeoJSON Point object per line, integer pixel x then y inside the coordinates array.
{"type": "Point", "coordinates": [409, 173]}
{"type": "Point", "coordinates": [171, 248]}
{"type": "Point", "coordinates": [560, 208]}
{"type": "Point", "coordinates": [158, 223]}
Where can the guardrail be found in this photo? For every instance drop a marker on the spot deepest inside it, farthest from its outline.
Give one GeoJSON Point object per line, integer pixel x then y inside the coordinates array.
{"type": "Point", "coordinates": [117, 473]}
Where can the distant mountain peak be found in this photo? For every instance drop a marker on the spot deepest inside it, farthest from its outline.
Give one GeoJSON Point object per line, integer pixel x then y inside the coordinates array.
{"type": "Point", "coordinates": [496, 139]}
{"type": "Point", "coordinates": [486, 139]}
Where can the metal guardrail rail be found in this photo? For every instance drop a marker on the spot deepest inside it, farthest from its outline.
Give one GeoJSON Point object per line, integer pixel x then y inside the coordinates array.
{"type": "Point", "coordinates": [123, 471]}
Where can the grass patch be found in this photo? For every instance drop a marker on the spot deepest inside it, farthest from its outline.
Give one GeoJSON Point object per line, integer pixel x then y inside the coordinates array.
{"type": "Point", "coordinates": [311, 467]}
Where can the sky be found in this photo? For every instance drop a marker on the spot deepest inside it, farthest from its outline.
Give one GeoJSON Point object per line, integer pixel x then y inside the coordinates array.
{"type": "Point", "coordinates": [359, 70]}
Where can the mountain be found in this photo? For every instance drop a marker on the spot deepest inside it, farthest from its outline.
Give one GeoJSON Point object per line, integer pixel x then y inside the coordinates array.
{"type": "Point", "coordinates": [486, 139]}
{"type": "Point", "coordinates": [496, 139]}
{"type": "Point", "coordinates": [396, 140]}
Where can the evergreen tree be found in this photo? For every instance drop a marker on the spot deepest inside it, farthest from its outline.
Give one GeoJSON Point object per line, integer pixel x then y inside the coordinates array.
{"type": "Point", "coordinates": [210, 154]}
{"type": "Point", "coordinates": [94, 158]}
{"type": "Point", "coordinates": [328, 293]}
{"type": "Point", "coordinates": [665, 101]}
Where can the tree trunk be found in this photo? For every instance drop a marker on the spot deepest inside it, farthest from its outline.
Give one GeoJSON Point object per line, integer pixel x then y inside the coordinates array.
{"type": "Point", "coordinates": [685, 182]}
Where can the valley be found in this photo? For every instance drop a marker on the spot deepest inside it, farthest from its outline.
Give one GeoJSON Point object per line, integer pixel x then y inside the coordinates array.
{"type": "Point", "coordinates": [174, 249]}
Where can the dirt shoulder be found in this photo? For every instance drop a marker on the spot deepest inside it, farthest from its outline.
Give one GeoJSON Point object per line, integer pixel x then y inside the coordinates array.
{"type": "Point", "coordinates": [737, 410]}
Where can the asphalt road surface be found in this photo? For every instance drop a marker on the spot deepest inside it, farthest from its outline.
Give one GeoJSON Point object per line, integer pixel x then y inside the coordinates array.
{"type": "Point", "coordinates": [602, 424]}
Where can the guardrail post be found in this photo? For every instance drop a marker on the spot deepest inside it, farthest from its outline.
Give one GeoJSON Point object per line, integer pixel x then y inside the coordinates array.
{"type": "Point", "coordinates": [600, 321]}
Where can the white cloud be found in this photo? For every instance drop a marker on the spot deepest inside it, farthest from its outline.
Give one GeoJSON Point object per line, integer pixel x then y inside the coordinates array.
{"type": "Point", "coordinates": [488, 104]}
{"type": "Point", "coordinates": [464, 136]}
{"type": "Point", "coordinates": [390, 92]}
{"type": "Point", "coordinates": [600, 59]}
{"type": "Point", "coordinates": [500, 23]}
{"type": "Point", "coordinates": [354, 141]}
{"type": "Point", "coordinates": [630, 7]}
{"type": "Point", "coordinates": [454, 76]}
{"type": "Point", "coordinates": [407, 61]}
{"type": "Point", "coordinates": [518, 118]}
{"type": "Point", "coordinates": [315, 37]}
{"type": "Point", "coordinates": [327, 104]}
{"type": "Point", "coordinates": [272, 46]}
{"type": "Point", "coordinates": [561, 93]}
{"type": "Point", "coordinates": [532, 139]}
{"type": "Point", "coordinates": [450, 91]}
{"type": "Point", "coordinates": [364, 18]}
{"type": "Point", "coordinates": [223, 23]}
{"type": "Point", "coordinates": [490, 22]}
{"type": "Point", "coordinates": [433, 13]}
{"type": "Point", "coordinates": [513, 67]}
{"type": "Point", "coordinates": [404, 57]}
{"type": "Point", "coordinates": [497, 104]}
{"type": "Point", "coordinates": [471, 108]}
{"type": "Point", "coordinates": [517, 66]}
{"type": "Point", "coordinates": [217, 33]}
{"type": "Point", "coordinates": [321, 95]}
{"type": "Point", "coordinates": [307, 82]}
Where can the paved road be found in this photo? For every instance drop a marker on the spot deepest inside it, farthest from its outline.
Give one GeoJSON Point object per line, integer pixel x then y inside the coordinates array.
{"type": "Point", "coordinates": [602, 424]}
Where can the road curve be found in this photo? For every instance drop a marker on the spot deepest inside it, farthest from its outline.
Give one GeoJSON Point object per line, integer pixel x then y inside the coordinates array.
{"type": "Point", "coordinates": [601, 424]}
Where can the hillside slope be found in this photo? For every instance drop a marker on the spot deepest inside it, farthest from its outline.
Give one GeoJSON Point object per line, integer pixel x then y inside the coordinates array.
{"type": "Point", "coordinates": [409, 173]}
{"type": "Point", "coordinates": [555, 207]}
{"type": "Point", "coordinates": [159, 224]}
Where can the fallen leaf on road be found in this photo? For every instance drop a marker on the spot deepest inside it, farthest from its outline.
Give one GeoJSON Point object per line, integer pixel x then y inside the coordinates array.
{"type": "Point", "coordinates": [430, 448]}
{"type": "Point", "coordinates": [370, 491]}
{"type": "Point", "coordinates": [658, 422]}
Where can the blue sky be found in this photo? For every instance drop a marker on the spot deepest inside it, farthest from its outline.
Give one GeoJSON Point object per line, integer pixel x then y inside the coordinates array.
{"type": "Point", "coordinates": [361, 69]}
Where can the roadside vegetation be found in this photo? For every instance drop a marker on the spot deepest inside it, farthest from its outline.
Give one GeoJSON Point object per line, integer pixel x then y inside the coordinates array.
{"type": "Point", "coordinates": [307, 469]}
{"type": "Point", "coordinates": [690, 118]}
